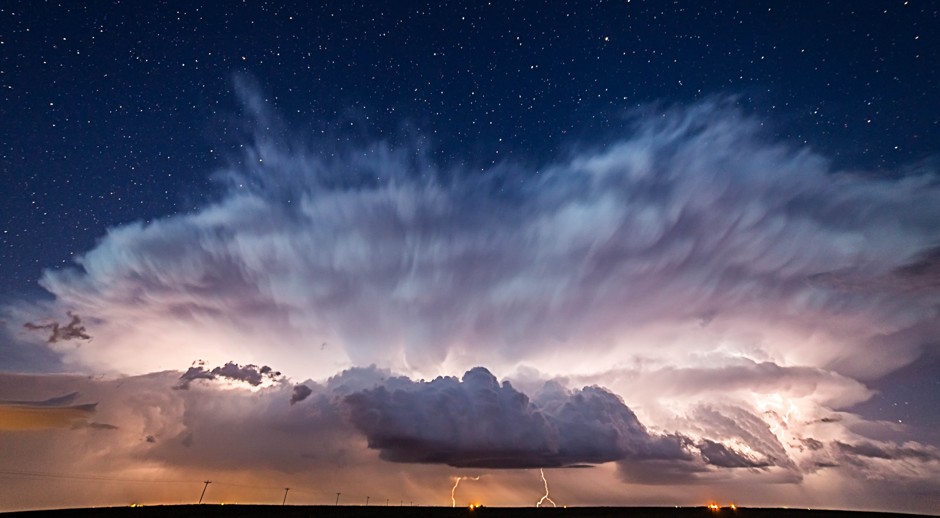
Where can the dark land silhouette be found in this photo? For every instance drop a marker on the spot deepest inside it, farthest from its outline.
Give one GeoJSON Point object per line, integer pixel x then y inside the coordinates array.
{"type": "Point", "coordinates": [304, 511]}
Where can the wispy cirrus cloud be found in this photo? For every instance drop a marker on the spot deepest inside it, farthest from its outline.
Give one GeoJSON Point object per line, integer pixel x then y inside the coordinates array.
{"type": "Point", "coordinates": [692, 235]}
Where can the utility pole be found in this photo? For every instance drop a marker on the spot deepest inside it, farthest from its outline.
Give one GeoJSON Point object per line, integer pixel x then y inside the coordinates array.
{"type": "Point", "coordinates": [286, 489]}
{"type": "Point", "coordinates": [337, 498]}
{"type": "Point", "coordinates": [386, 502]}
{"type": "Point", "coordinates": [367, 501]}
{"type": "Point", "coordinates": [204, 490]}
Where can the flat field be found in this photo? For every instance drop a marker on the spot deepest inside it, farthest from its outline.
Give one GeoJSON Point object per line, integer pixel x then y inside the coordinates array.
{"type": "Point", "coordinates": [303, 511]}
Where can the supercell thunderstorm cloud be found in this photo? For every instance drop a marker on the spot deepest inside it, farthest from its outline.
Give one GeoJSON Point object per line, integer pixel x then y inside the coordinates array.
{"type": "Point", "coordinates": [734, 295]}
{"type": "Point", "coordinates": [691, 306]}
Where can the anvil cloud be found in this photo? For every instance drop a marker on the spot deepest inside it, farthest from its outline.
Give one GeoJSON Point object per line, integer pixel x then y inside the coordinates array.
{"type": "Point", "coordinates": [693, 236]}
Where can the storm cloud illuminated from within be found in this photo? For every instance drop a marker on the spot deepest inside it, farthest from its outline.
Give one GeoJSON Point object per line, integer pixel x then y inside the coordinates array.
{"type": "Point", "coordinates": [689, 308]}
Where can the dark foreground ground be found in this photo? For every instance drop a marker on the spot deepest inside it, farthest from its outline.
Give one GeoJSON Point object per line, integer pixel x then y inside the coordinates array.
{"type": "Point", "coordinates": [301, 511]}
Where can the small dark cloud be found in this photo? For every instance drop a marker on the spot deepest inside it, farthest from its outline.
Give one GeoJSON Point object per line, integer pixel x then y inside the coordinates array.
{"type": "Point", "coordinates": [74, 330]}
{"type": "Point", "coordinates": [812, 444]}
{"type": "Point", "coordinates": [718, 454]}
{"type": "Point", "coordinates": [300, 393]}
{"type": "Point", "coordinates": [192, 374]}
{"type": "Point", "coordinates": [150, 439]}
{"type": "Point", "coordinates": [251, 374]}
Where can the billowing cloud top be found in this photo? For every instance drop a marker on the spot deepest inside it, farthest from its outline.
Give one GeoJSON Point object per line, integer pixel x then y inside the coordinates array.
{"type": "Point", "coordinates": [477, 422]}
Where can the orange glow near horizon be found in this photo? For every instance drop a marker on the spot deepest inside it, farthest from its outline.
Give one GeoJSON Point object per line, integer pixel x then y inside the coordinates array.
{"type": "Point", "coordinates": [714, 506]}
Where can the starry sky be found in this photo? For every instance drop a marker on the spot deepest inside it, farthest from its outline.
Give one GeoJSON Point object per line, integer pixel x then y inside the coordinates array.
{"type": "Point", "coordinates": [692, 245]}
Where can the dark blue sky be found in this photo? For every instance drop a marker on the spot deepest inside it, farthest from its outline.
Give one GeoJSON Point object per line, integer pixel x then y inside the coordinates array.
{"type": "Point", "coordinates": [700, 239]}
{"type": "Point", "coordinates": [112, 113]}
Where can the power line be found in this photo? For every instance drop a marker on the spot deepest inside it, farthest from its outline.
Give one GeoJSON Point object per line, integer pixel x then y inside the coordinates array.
{"type": "Point", "coordinates": [35, 474]}
{"type": "Point", "coordinates": [97, 478]}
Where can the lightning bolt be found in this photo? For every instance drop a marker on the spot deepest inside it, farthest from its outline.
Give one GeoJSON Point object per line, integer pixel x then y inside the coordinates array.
{"type": "Point", "coordinates": [453, 490]}
{"type": "Point", "coordinates": [774, 406]}
{"type": "Point", "coordinates": [791, 410]}
{"type": "Point", "coordinates": [544, 498]}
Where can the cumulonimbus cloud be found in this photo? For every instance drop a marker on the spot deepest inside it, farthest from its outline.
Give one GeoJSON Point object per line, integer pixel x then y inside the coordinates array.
{"type": "Point", "coordinates": [478, 422]}
{"type": "Point", "coordinates": [689, 261]}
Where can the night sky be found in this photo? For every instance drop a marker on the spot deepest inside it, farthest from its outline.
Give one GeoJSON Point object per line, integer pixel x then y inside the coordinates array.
{"type": "Point", "coordinates": [695, 245]}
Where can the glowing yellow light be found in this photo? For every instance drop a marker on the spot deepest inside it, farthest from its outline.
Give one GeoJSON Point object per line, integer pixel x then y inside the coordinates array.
{"type": "Point", "coordinates": [734, 507]}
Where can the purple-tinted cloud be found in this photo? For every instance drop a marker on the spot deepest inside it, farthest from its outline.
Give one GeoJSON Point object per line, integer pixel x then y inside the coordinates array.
{"type": "Point", "coordinates": [734, 297]}
{"type": "Point", "coordinates": [478, 422]}
{"type": "Point", "coordinates": [691, 230]}
{"type": "Point", "coordinates": [720, 455]}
